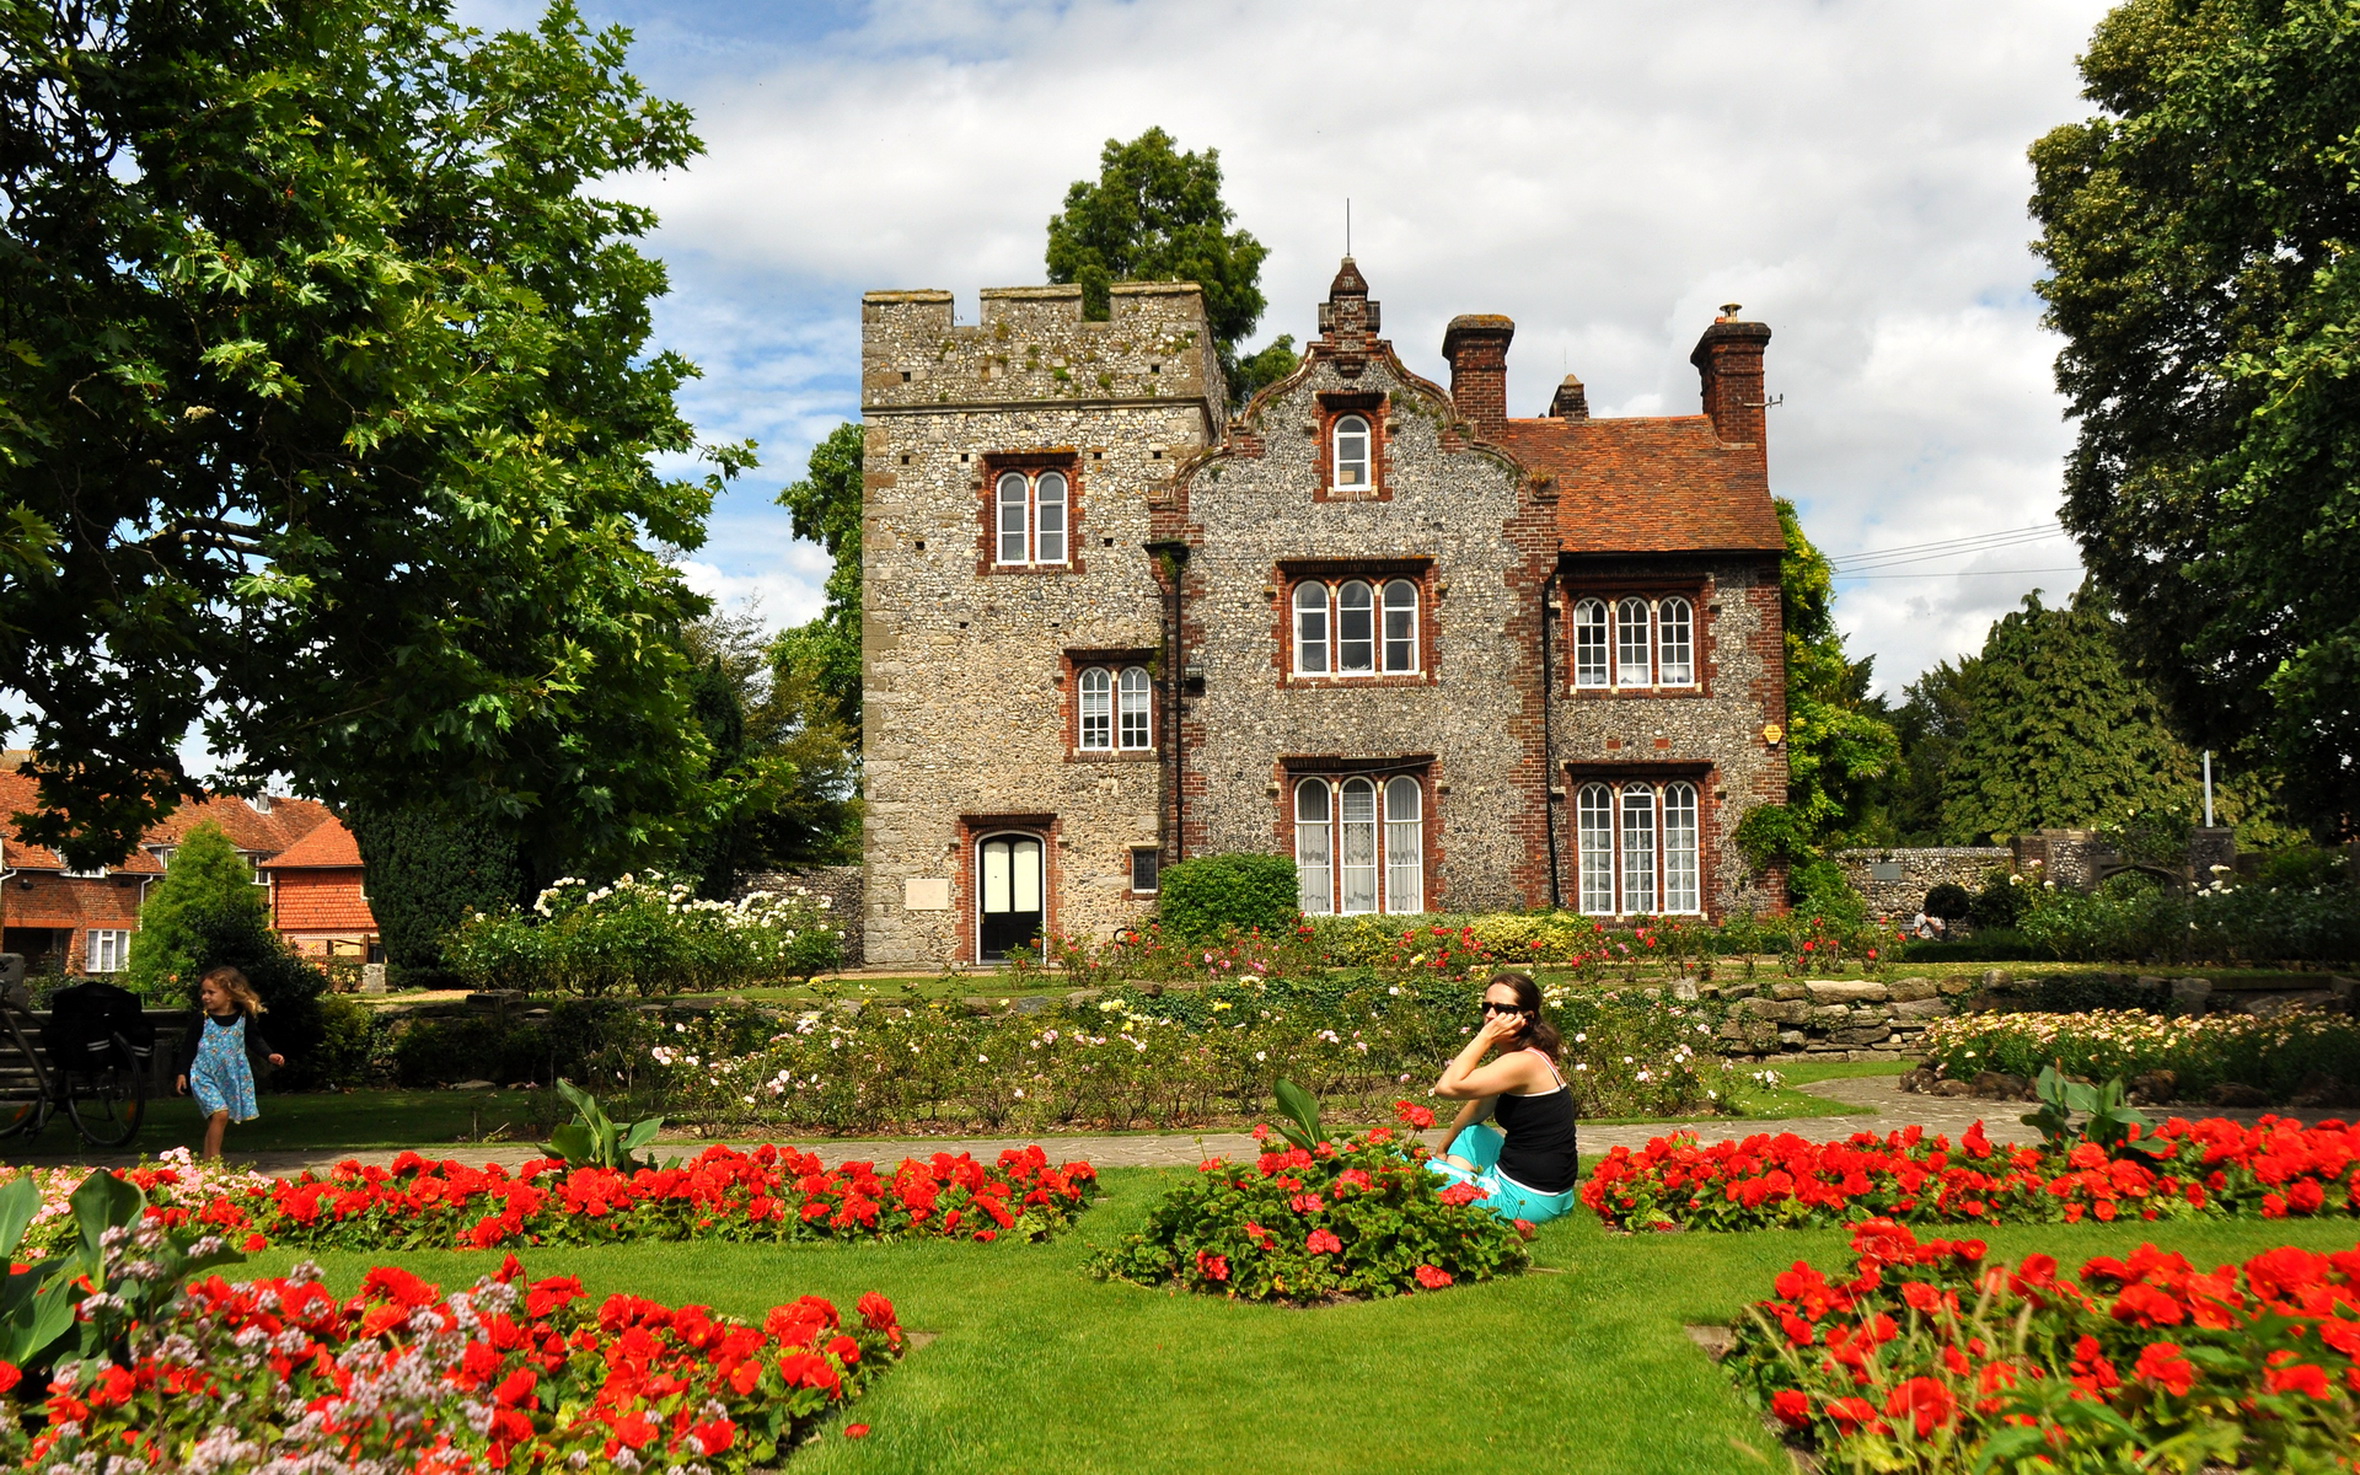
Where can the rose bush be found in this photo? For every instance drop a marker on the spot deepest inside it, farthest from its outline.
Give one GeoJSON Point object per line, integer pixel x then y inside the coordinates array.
{"type": "Point", "coordinates": [1328, 1223]}
{"type": "Point", "coordinates": [512, 1374]}
{"type": "Point", "coordinates": [645, 935]}
{"type": "Point", "coordinates": [1930, 1357]}
{"type": "Point", "coordinates": [2280, 1056]}
{"type": "Point", "coordinates": [2274, 1169]}
{"type": "Point", "coordinates": [769, 1195]}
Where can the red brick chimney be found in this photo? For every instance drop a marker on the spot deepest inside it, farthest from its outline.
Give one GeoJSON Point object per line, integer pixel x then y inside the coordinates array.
{"type": "Point", "coordinates": [1729, 359]}
{"type": "Point", "coordinates": [1477, 346]}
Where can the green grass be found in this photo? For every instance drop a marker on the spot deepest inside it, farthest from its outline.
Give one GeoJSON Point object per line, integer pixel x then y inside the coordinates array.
{"type": "Point", "coordinates": [1037, 1368]}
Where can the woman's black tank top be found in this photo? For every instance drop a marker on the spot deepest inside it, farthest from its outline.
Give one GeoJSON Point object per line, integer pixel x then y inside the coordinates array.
{"type": "Point", "coordinates": [1540, 1150]}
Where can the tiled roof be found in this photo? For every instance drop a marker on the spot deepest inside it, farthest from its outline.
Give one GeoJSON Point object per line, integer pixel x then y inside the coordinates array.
{"type": "Point", "coordinates": [1650, 485]}
{"type": "Point", "coordinates": [330, 845]}
{"type": "Point", "coordinates": [249, 829]}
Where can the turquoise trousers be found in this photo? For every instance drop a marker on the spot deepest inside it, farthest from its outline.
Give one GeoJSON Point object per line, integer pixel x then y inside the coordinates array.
{"type": "Point", "coordinates": [1504, 1196]}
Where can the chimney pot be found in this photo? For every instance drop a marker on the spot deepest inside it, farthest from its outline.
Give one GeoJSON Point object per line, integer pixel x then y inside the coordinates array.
{"type": "Point", "coordinates": [1476, 345]}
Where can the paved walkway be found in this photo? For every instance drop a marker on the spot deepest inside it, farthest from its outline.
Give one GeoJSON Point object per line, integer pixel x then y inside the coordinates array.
{"type": "Point", "coordinates": [1890, 1109]}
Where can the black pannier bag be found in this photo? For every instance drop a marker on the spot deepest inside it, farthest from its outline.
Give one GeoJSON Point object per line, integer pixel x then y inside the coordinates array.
{"type": "Point", "coordinates": [84, 1020]}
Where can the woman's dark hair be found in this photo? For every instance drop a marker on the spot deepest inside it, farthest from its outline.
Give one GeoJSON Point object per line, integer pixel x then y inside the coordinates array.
{"type": "Point", "coordinates": [1538, 1033]}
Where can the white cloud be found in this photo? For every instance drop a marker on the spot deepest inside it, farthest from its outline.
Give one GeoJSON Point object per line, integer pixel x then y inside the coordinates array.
{"type": "Point", "coordinates": [1852, 172]}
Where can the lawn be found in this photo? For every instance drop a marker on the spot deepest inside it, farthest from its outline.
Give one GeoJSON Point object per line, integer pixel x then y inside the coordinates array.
{"type": "Point", "coordinates": [1583, 1366]}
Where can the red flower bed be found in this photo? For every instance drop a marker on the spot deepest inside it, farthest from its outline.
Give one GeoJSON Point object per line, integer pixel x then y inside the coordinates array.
{"type": "Point", "coordinates": [510, 1375]}
{"type": "Point", "coordinates": [1929, 1356]}
{"type": "Point", "coordinates": [2275, 1169]}
{"type": "Point", "coordinates": [769, 1194]}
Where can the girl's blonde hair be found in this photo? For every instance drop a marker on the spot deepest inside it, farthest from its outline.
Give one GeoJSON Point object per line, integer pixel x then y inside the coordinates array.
{"type": "Point", "coordinates": [234, 983]}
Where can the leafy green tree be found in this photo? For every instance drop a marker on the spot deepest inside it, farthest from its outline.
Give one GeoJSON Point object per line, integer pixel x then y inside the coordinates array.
{"type": "Point", "coordinates": [824, 653]}
{"type": "Point", "coordinates": [2198, 235]}
{"type": "Point", "coordinates": [2059, 732]}
{"type": "Point", "coordinates": [1929, 723]}
{"type": "Point", "coordinates": [430, 869]}
{"type": "Point", "coordinates": [208, 913]}
{"type": "Point", "coordinates": [1155, 214]}
{"type": "Point", "coordinates": [327, 370]}
{"type": "Point", "coordinates": [1838, 743]}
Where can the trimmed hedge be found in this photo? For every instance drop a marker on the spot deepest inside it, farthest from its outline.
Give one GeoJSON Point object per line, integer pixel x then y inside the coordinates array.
{"type": "Point", "coordinates": [1198, 898]}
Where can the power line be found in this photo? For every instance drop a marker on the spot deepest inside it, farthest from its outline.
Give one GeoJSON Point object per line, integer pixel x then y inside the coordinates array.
{"type": "Point", "coordinates": [1974, 543]}
{"type": "Point", "coordinates": [1969, 573]}
{"type": "Point", "coordinates": [1996, 547]}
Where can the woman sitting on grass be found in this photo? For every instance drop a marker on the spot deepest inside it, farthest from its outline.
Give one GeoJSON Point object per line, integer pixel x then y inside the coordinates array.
{"type": "Point", "coordinates": [1528, 1166]}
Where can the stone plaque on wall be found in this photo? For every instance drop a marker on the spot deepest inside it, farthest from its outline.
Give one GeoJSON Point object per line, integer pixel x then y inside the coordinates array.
{"type": "Point", "coordinates": [926, 894]}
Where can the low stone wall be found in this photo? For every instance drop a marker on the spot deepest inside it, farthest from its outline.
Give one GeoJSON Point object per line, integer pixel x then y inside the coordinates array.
{"type": "Point", "coordinates": [1843, 1018]}
{"type": "Point", "coordinates": [1895, 881]}
{"type": "Point", "coordinates": [845, 887]}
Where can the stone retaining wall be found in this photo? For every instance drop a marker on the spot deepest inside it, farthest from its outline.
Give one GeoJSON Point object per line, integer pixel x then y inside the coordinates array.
{"type": "Point", "coordinates": [843, 886]}
{"type": "Point", "coordinates": [1841, 1018]}
{"type": "Point", "coordinates": [1895, 880]}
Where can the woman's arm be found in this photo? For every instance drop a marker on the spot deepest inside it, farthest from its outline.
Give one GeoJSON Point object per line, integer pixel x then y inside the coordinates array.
{"type": "Point", "coordinates": [1469, 1114]}
{"type": "Point", "coordinates": [1465, 1079]}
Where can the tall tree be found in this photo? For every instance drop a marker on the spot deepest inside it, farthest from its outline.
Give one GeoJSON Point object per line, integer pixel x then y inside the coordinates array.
{"type": "Point", "coordinates": [429, 869]}
{"type": "Point", "coordinates": [328, 380]}
{"type": "Point", "coordinates": [1155, 214]}
{"type": "Point", "coordinates": [1929, 724]}
{"type": "Point", "coordinates": [792, 760]}
{"type": "Point", "coordinates": [2199, 238]}
{"type": "Point", "coordinates": [824, 653]}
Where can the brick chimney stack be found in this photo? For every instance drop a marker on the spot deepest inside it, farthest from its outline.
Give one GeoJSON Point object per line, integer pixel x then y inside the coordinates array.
{"type": "Point", "coordinates": [1729, 359]}
{"type": "Point", "coordinates": [1572, 401]}
{"type": "Point", "coordinates": [1348, 317]}
{"type": "Point", "coordinates": [1477, 346]}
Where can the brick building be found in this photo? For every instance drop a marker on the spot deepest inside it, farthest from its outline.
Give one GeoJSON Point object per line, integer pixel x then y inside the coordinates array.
{"type": "Point", "coordinates": [1444, 658]}
{"type": "Point", "coordinates": [81, 922]}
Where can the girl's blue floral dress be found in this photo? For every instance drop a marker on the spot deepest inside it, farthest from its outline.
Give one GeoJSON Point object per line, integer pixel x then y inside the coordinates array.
{"type": "Point", "coordinates": [222, 1079]}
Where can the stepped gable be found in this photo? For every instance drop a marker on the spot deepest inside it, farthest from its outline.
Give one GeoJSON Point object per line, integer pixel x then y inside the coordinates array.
{"type": "Point", "coordinates": [1664, 484]}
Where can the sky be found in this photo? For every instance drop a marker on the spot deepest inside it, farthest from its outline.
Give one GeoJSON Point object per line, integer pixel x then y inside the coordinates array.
{"type": "Point", "coordinates": [1852, 173]}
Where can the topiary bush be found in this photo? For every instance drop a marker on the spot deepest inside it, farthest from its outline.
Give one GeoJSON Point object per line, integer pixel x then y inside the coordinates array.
{"type": "Point", "coordinates": [1949, 901]}
{"type": "Point", "coordinates": [1197, 898]}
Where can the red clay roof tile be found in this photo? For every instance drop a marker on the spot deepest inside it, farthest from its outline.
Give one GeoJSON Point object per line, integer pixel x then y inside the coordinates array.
{"type": "Point", "coordinates": [1650, 485]}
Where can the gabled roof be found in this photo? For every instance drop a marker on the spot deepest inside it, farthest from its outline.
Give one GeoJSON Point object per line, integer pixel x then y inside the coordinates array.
{"type": "Point", "coordinates": [330, 846]}
{"type": "Point", "coordinates": [1665, 484]}
{"type": "Point", "coordinates": [249, 829]}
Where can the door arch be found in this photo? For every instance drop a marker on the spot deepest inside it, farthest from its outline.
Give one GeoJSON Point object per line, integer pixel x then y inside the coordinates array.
{"type": "Point", "coordinates": [1011, 895]}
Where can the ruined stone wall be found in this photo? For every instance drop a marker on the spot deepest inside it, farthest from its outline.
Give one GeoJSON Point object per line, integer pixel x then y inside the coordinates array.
{"type": "Point", "coordinates": [966, 667]}
{"type": "Point", "coordinates": [1872, 873]}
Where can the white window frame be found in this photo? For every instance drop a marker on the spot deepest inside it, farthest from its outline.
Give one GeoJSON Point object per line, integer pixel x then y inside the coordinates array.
{"type": "Point", "coordinates": [1095, 700]}
{"type": "Point", "coordinates": [1594, 848]}
{"type": "Point", "coordinates": [1390, 618]}
{"type": "Point", "coordinates": [1639, 848]}
{"type": "Point", "coordinates": [1405, 844]}
{"type": "Point", "coordinates": [106, 950]}
{"type": "Point", "coordinates": [1032, 519]}
{"type": "Point", "coordinates": [1315, 847]}
{"type": "Point", "coordinates": [1134, 710]}
{"type": "Point", "coordinates": [96, 873]}
{"type": "Point", "coordinates": [1360, 844]}
{"type": "Point", "coordinates": [1675, 642]}
{"type": "Point", "coordinates": [1353, 473]}
{"type": "Point", "coordinates": [1626, 673]}
{"type": "Point", "coordinates": [1677, 838]}
{"type": "Point", "coordinates": [1593, 645]}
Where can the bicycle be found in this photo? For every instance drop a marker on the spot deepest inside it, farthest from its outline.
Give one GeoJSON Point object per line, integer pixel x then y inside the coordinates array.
{"type": "Point", "coordinates": [101, 1083]}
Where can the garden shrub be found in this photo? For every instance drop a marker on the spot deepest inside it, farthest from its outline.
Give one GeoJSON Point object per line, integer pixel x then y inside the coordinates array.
{"type": "Point", "coordinates": [430, 868]}
{"type": "Point", "coordinates": [2304, 868]}
{"type": "Point", "coordinates": [1949, 901]}
{"type": "Point", "coordinates": [1364, 1218]}
{"type": "Point", "coordinates": [1933, 1357]}
{"type": "Point", "coordinates": [2082, 993]}
{"type": "Point", "coordinates": [645, 936]}
{"type": "Point", "coordinates": [2004, 898]}
{"type": "Point", "coordinates": [354, 1048]}
{"type": "Point", "coordinates": [1198, 898]}
{"type": "Point", "coordinates": [470, 1047]}
{"type": "Point", "coordinates": [1997, 945]}
{"type": "Point", "coordinates": [1819, 888]}
{"type": "Point", "coordinates": [2281, 1056]}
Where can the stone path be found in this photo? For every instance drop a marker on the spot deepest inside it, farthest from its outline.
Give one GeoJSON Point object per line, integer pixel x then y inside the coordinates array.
{"type": "Point", "coordinates": [1890, 1109]}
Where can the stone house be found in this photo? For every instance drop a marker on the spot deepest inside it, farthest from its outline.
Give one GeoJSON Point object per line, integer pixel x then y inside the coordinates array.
{"type": "Point", "coordinates": [1444, 658]}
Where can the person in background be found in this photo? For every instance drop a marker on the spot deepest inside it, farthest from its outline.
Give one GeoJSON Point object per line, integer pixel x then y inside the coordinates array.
{"type": "Point", "coordinates": [217, 1054]}
{"type": "Point", "coordinates": [1528, 1167]}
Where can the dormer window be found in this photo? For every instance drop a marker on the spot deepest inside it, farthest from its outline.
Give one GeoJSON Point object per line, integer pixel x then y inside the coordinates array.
{"type": "Point", "coordinates": [1352, 454]}
{"type": "Point", "coordinates": [1031, 518]}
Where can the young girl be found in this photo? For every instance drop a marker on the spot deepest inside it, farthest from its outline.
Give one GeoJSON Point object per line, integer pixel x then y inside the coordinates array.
{"type": "Point", "coordinates": [214, 1053]}
{"type": "Point", "coordinates": [1528, 1167]}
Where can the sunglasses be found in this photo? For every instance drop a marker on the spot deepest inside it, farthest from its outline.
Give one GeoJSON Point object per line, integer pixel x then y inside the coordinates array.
{"type": "Point", "coordinates": [1491, 1008]}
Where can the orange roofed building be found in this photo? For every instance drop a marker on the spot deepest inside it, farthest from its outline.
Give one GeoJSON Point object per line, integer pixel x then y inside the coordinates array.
{"type": "Point", "coordinates": [80, 922]}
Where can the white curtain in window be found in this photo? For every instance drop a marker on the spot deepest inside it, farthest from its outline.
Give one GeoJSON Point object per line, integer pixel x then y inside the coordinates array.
{"type": "Point", "coordinates": [1681, 891]}
{"type": "Point", "coordinates": [1049, 518]}
{"type": "Point", "coordinates": [1638, 849]}
{"type": "Point", "coordinates": [1097, 709]}
{"type": "Point", "coordinates": [1401, 626]}
{"type": "Point", "coordinates": [1405, 846]}
{"type": "Point", "coordinates": [1359, 843]}
{"type": "Point", "coordinates": [1356, 628]}
{"type": "Point", "coordinates": [1675, 642]}
{"type": "Point", "coordinates": [1314, 851]}
{"type": "Point", "coordinates": [1311, 628]}
{"type": "Point", "coordinates": [1630, 644]}
{"type": "Point", "coordinates": [1013, 533]}
{"type": "Point", "coordinates": [1135, 708]}
{"type": "Point", "coordinates": [1351, 452]}
{"type": "Point", "coordinates": [1589, 643]}
{"type": "Point", "coordinates": [1594, 826]}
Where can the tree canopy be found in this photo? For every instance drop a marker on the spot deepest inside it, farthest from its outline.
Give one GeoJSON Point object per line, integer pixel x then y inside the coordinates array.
{"type": "Point", "coordinates": [823, 654]}
{"type": "Point", "coordinates": [1155, 214]}
{"type": "Point", "coordinates": [329, 415]}
{"type": "Point", "coordinates": [2199, 238]}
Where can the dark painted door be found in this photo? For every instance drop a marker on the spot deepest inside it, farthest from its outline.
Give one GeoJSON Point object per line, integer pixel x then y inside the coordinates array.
{"type": "Point", "coordinates": [1010, 870]}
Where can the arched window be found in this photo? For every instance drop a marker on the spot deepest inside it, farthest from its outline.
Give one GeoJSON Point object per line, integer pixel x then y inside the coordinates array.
{"type": "Point", "coordinates": [1311, 628]}
{"type": "Point", "coordinates": [1135, 708]}
{"type": "Point", "coordinates": [1638, 849]}
{"type": "Point", "coordinates": [1630, 644]}
{"type": "Point", "coordinates": [1357, 816]}
{"type": "Point", "coordinates": [1401, 626]}
{"type": "Point", "coordinates": [1681, 889]}
{"type": "Point", "coordinates": [1594, 822]}
{"type": "Point", "coordinates": [1097, 701]}
{"type": "Point", "coordinates": [1356, 628]}
{"type": "Point", "coordinates": [1015, 533]}
{"type": "Point", "coordinates": [1405, 846]}
{"type": "Point", "coordinates": [1675, 643]}
{"type": "Point", "coordinates": [1314, 848]}
{"type": "Point", "coordinates": [1589, 643]}
{"type": "Point", "coordinates": [1351, 453]}
{"type": "Point", "coordinates": [1049, 518]}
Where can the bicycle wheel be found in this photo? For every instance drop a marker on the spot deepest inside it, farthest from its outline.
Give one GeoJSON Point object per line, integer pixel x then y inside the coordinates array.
{"type": "Point", "coordinates": [108, 1095]}
{"type": "Point", "coordinates": [23, 1092]}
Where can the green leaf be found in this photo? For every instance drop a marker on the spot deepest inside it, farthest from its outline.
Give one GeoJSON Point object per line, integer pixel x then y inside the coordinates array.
{"type": "Point", "coordinates": [19, 1202]}
{"type": "Point", "coordinates": [1300, 1107]}
{"type": "Point", "coordinates": [573, 1142]}
{"type": "Point", "coordinates": [104, 1202]}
